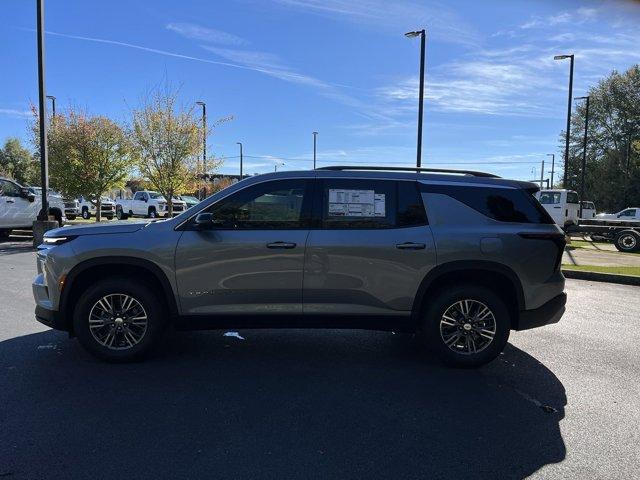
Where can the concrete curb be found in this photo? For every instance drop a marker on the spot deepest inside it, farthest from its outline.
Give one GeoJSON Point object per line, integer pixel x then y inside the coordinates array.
{"type": "Point", "coordinates": [602, 277]}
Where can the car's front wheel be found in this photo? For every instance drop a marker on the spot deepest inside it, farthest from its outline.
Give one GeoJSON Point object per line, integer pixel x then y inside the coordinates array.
{"type": "Point", "coordinates": [85, 213]}
{"type": "Point", "coordinates": [119, 319]}
{"type": "Point", "coordinates": [466, 325]}
{"type": "Point", "coordinates": [120, 215]}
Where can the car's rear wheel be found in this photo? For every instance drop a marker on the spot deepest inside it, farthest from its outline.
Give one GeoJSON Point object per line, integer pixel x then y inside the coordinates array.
{"type": "Point", "coordinates": [152, 212]}
{"type": "Point", "coordinates": [627, 241]}
{"type": "Point", "coordinates": [71, 216]}
{"type": "Point", "coordinates": [467, 325]}
{"type": "Point", "coordinates": [119, 319]}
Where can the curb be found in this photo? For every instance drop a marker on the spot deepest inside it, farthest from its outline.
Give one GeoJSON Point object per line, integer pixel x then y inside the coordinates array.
{"type": "Point", "coordinates": [602, 277]}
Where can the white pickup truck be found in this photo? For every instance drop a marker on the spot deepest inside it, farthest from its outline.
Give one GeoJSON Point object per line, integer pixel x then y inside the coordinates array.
{"type": "Point", "coordinates": [147, 204]}
{"type": "Point", "coordinates": [627, 215]}
{"type": "Point", "coordinates": [19, 207]}
{"type": "Point", "coordinates": [88, 209]}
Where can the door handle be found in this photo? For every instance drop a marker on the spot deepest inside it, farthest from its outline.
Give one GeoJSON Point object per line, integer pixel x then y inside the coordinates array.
{"type": "Point", "coordinates": [287, 245]}
{"type": "Point", "coordinates": [411, 246]}
{"type": "Point", "coordinates": [11, 201]}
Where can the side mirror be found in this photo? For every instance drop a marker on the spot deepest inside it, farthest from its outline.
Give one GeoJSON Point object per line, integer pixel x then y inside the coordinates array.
{"type": "Point", "coordinates": [203, 220]}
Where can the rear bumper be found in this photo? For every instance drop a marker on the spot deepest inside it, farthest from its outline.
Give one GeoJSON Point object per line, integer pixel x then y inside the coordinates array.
{"type": "Point", "coordinates": [549, 313]}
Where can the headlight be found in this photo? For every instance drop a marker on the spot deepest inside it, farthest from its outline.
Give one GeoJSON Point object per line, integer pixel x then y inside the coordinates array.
{"type": "Point", "coordinates": [58, 240]}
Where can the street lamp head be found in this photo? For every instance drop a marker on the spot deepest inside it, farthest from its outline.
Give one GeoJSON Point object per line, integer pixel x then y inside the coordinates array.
{"type": "Point", "coordinates": [562, 57]}
{"type": "Point", "coordinates": [551, 154]}
{"type": "Point", "coordinates": [415, 34]}
{"type": "Point", "coordinates": [581, 98]}
{"type": "Point", "coordinates": [315, 133]}
{"type": "Point", "coordinates": [239, 143]}
{"type": "Point", "coordinates": [200, 103]}
{"type": "Point", "coordinates": [51, 97]}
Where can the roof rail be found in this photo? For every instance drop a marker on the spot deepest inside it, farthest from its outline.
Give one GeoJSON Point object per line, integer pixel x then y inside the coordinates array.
{"type": "Point", "coordinates": [410, 169]}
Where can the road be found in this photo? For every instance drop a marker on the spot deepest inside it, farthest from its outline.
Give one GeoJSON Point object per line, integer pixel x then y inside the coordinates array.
{"type": "Point", "coordinates": [561, 402]}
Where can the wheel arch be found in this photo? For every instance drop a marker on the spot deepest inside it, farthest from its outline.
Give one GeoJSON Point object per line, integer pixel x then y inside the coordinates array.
{"type": "Point", "coordinates": [496, 276]}
{"type": "Point", "coordinates": [82, 275]}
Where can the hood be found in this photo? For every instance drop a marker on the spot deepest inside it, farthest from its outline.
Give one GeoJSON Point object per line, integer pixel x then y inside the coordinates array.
{"type": "Point", "coordinates": [98, 229]}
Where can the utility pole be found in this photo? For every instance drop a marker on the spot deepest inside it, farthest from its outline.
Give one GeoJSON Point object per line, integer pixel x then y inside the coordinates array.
{"type": "Point", "coordinates": [553, 162]}
{"type": "Point", "coordinates": [568, 130]}
{"type": "Point", "coordinates": [423, 35]}
{"type": "Point", "coordinates": [240, 143]}
{"type": "Point", "coordinates": [542, 175]}
{"type": "Point", "coordinates": [584, 149]}
{"type": "Point", "coordinates": [315, 135]}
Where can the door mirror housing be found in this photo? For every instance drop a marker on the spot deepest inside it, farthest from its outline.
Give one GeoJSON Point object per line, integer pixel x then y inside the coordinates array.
{"type": "Point", "coordinates": [29, 195]}
{"type": "Point", "coordinates": [203, 220]}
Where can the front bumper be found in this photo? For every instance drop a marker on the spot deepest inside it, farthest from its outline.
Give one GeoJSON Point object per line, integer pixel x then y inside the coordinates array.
{"type": "Point", "coordinates": [549, 313]}
{"type": "Point", "coordinates": [51, 318]}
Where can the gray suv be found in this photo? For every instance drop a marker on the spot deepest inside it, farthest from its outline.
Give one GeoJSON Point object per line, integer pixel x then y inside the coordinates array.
{"type": "Point", "coordinates": [458, 257]}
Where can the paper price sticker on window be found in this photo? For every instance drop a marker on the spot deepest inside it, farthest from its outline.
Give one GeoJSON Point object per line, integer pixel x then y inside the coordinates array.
{"type": "Point", "coordinates": [356, 203]}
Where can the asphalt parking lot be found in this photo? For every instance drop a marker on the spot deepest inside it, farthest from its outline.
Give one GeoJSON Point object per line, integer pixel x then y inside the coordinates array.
{"type": "Point", "coordinates": [561, 402]}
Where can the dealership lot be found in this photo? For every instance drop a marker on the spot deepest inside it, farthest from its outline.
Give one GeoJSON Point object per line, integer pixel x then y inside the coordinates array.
{"type": "Point", "coordinates": [562, 400]}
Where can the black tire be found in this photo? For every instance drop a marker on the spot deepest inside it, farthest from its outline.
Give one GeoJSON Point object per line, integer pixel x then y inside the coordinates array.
{"type": "Point", "coordinates": [442, 302]}
{"type": "Point", "coordinates": [152, 213]}
{"type": "Point", "coordinates": [627, 241]}
{"type": "Point", "coordinates": [109, 217]}
{"type": "Point", "coordinates": [85, 213]}
{"type": "Point", "coordinates": [153, 307]}
{"type": "Point", "coordinates": [120, 215]}
{"type": "Point", "coordinates": [71, 217]}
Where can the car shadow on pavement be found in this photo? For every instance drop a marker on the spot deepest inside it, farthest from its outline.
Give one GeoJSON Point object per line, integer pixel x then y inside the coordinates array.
{"type": "Point", "coordinates": [274, 404]}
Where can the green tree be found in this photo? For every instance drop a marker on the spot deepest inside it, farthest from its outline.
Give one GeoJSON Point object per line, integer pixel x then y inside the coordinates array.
{"type": "Point", "coordinates": [612, 176]}
{"type": "Point", "coordinates": [167, 138]}
{"type": "Point", "coordinates": [87, 156]}
{"type": "Point", "coordinates": [19, 163]}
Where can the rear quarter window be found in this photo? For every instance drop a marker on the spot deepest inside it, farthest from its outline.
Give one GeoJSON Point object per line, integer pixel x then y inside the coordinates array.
{"type": "Point", "coordinates": [511, 205]}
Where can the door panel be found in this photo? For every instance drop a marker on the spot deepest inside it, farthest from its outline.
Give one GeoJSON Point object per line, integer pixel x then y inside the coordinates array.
{"type": "Point", "coordinates": [251, 259]}
{"type": "Point", "coordinates": [364, 271]}
{"type": "Point", "coordinates": [238, 272]}
{"type": "Point", "coordinates": [373, 250]}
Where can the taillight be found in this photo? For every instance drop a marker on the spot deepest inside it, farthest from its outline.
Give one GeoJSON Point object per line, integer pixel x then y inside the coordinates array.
{"type": "Point", "coordinates": [556, 237]}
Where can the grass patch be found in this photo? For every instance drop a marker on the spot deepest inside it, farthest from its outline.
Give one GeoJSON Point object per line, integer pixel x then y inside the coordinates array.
{"type": "Point", "coordinates": [633, 271]}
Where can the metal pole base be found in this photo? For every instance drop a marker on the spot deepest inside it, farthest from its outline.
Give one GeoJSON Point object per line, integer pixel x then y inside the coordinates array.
{"type": "Point", "coordinates": [39, 229]}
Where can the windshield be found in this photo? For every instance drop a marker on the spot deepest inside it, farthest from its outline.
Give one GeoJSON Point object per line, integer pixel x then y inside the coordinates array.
{"type": "Point", "coordinates": [156, 195]}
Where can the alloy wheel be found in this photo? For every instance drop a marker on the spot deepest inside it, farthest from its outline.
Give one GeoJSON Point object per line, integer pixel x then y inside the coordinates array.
{"type": "Point", "coordinates": [467, 327]}
{"type": "Point", "coordinates": [118, 321]}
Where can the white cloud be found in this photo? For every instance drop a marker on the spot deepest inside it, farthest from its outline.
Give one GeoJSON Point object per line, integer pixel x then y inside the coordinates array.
{"type": "Point", "coordinates": [12, 112]}
{"type": "Point", "coordinates": [396, 16]}
{"type": "Point", "coordinates": [198, 32]}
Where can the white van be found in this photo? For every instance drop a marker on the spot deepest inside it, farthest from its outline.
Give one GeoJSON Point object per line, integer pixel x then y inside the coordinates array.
{"type": "Point", "coordinates": [562, 205]}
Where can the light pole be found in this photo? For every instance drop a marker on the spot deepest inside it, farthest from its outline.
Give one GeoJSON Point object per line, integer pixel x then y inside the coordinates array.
{"type": "Point", "coordinates": [315, 136]}
{"type": "Point", "coordinates": [240, 143]}
{"type": "Point", "coordinates": [422, 34]}
{"type": "Point", "coordinates": [584, 149]}
{"type": "Point", "coordinates": [43, 215]}
{"type": "Point", "coordinates": [53, 105]}
{"type": "Point", "coordinates": [204, 135]}
{"type": "Point", "coordinates": [542, 175]}
{"type": "Point", "coordinates": [553, 163]}
{"type": "Point", "coordinates": [568, 131]}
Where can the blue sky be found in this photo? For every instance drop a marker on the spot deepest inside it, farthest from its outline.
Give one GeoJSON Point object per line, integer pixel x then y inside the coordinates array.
{"type": "Point", "coordinates": [495, 98]}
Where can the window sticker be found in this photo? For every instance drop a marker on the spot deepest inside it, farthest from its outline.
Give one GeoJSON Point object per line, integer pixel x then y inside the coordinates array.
{"type": "Point", "coordinates": [356, 203]}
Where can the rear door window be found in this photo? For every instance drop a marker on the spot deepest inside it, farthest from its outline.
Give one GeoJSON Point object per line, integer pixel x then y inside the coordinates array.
{"type": "Point", "coordinates": [369, 204]}
{"type": "Point", "coordinates": [572, 197]}
{"type": "Point", "coordinates": [550, 198]}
